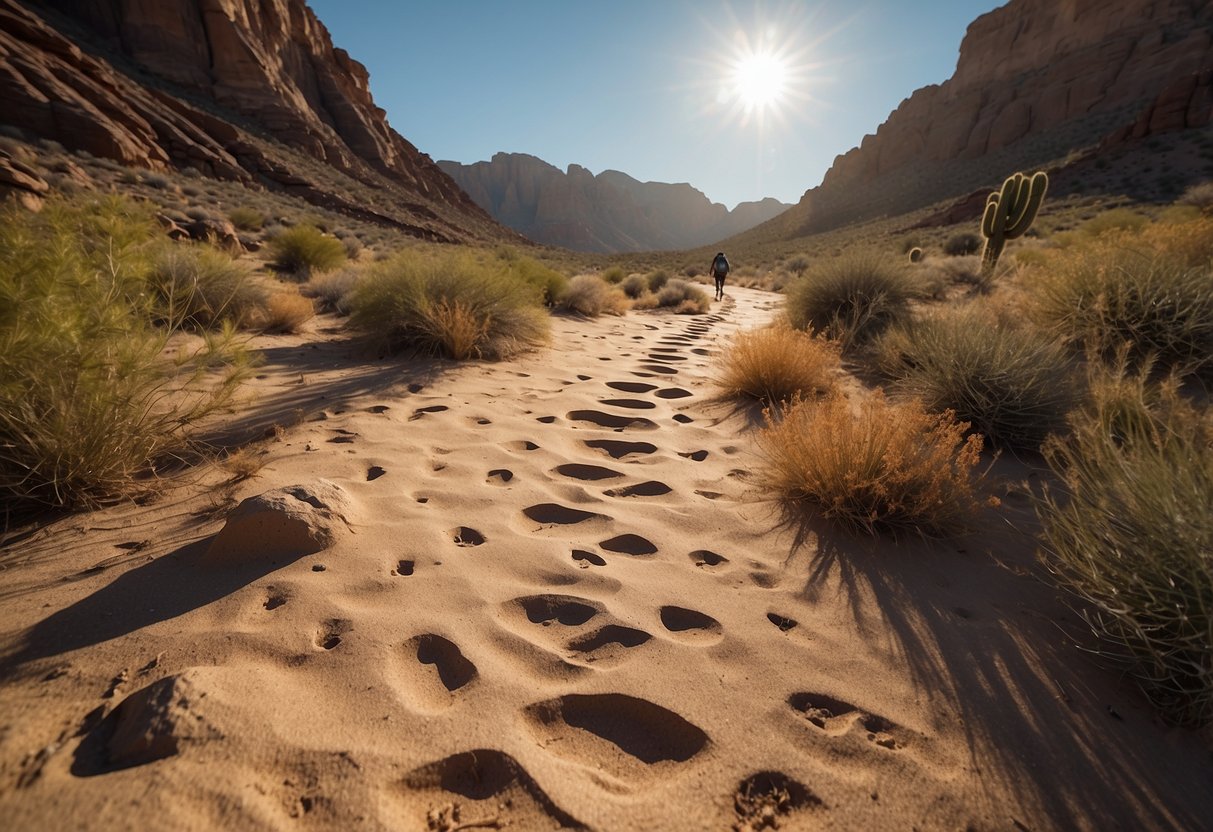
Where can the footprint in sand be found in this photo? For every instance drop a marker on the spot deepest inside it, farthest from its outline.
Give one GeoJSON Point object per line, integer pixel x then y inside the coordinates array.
{"type": "Point", "coordinates": [697, 456]}
{"type": "Point", "coordinates": [422, 411]}
{"type": "Point", "coordinates": [629, 404]}
{"type": "Point", "coordinates": [546, 420]}
{"type": "Point", "coordinates": [466, 536]}
{"type": "Point", "coordinates": [631, 386]}
{"type": "Point", "coordinates": [784, 623]}
{"type": "Point", "coordinates": [479, 789]}
{"type": "Point", "coordinates": [629, 544]}
{"type": "Point", "coordinates": [673, 393]}
{"type": "Point", "coordinates": [554, 514]}
{"type": "Point", "coordinates": [652, 488]}
{"type": "Point", "coordinates": [499, 476]}
{"type": "Point", "coordinates": [274, 598]}
{"type": "Point", "coordinates": [404, 569]}
{"type": "Point", "coordinates": [709, 560]}
{"type": "Point", "coordinates": [610, 420]}
{"type": "Point", "coordinates": [343, 437]}
{"type": "Point", "coordinates": [586, 559]}
{"type": "Point", "coordinates": [702, 351]}
{"type": "Point", "coordinates": [683, 419]}
{"type": "Point", "coordinates": [522, 445]}
{"type": "Point", "coordinates": [567, 610]}
{"type": "Point", "coordinates": [670, 355]}
{"type": "Point", "coordinates": [618, 449]}
{"type": "Point", "coordinates": [329, 635]}
{"type": "Point", "coordinates": [580, 471]}
{"type": "Point", "coordinates": [609, 645]}
{"type": "Point", "coordinates": [836, 718]}
{"type": "Point", "coordinates": [378, 408]}
{"type": "Point", "coordinates": [629, 739]}
{"type": "Point", "coordinates": [691, 625]}
{"type": "Point", "coordinates": [434, 668]}
{"type": "Point", "coordinates": [772, 800]}
{"type": "Point", "coordinates": [661, 369]}
{"type": "Point", "coordinates": [375, 472]}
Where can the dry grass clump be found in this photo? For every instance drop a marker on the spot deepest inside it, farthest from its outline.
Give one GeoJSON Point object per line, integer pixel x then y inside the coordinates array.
{"type": "Point", "coordinates": [685, 298]}
{"type": "Point", "coordinates": [777, 364]}
{"type": "Point", "coordinates": [882, 467]}
{"type": "Point", "coordinates": [657, 280]}
{"type": "Point", "coordinates": [591, 296]}
{"type": "Point", "coordinates": [332, 290]}
{"type": "Point", "coordinates": [962, 244]}
{"type": "Point", "coordinates": [850, 298]}
{"type": "Point", "coordinates": [1200, 197]}
{"type": "Point", "coordinates": [615, 274]}
{"type": "Point", "coordinates": [1149, 290]}
{"type": "Point", "coordinates": [635, 285]}
{"type": "Point", "coordinates": [304, 250]}
{"type": "Point", "coordinates": [285, 312]}
{"type": "Point", "coordinates": [1011, 384]}
{"type": "Point", "coordinates": [200, 287]}
{"type": "Point", "coordinates": [548, 281]}
{"type": "Point", "coordinates": [449, 305]}
{"type": "Point", "coordinates": [88, 400]}
{"type": "Point", "coordinates": [246, 219]}
{"type": "Point", "coordinates": [1114, 219]}
{"type": "Point", "coordinates": [1132, 537]}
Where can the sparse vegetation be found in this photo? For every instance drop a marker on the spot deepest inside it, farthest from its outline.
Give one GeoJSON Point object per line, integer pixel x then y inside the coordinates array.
{"type": "Point", "coordinates": [304, 250]}
{"type": "Point", "coordinates": [1199, 197]}
{"type": "Point", "coordinates": [657, 280]}
{"type": "Point", "coordinates": [685, 298]}
{"type": "Point", "coordinates": [1114, 219]}
{"type": "Point", "coordinates": [880, 468]}
{"type": "Point", "coordinates": [778, 364]}
{"type": "Point", "coordinates": [332, 290]}
{"type": "Point", "coordinates": [1131, 536]}
{"type": "Point", "coordinates": [285, 312]}
{"type": "Point", "coordinates": [850, 299]}
{"type": "Point", "coordinates": [634, 286]}
{"type": "Point", "coordinates": [88, 401]}
{"type": "Point", "coordinates": [1012, 385]}
{"type": "Point", "coordinates": [550, 283]}
{"type": "Point", "coordinates": [448, 305]}
{"type": "Point", "coordinates": [960, 245]}
{"type": "Point", "coordinates": [614, 275]}
{"type": "Point", "coordinates": [590, 295]}
{"type": "Point", "coordinates": [198, 287]}
{"type": "Point", "coordinates": [246, 219]}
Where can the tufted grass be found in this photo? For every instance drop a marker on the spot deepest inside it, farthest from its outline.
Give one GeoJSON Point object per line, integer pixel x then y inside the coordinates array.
{"type": "Point", "coordinates": [850, 298]}
{"type": "Point", "coordinates": [778, 364]}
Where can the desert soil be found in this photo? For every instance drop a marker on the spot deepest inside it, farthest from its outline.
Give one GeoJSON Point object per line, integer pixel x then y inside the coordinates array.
{"type": "Point", "coordinates": [557, 598]}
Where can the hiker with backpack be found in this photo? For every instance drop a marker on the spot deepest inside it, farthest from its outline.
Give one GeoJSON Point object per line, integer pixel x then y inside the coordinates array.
{"type": "Point", "coordinates": [720, 268]}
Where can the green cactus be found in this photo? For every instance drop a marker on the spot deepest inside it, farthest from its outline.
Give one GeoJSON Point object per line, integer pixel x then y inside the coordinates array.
{"type": "Point", "coordinates": [1009, 213]}
{"type": "Point", "coordinates": [915, 254]}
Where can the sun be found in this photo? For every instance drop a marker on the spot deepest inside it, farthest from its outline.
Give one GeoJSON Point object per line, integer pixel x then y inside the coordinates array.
{"type": "Point", "coordinates": [759, 80]}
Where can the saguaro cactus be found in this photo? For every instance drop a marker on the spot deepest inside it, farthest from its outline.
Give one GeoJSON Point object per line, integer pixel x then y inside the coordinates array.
{"type": "Point", "coordinates": [1009, 213]}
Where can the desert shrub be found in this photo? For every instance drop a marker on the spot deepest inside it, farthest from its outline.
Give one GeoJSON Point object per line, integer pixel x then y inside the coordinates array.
{"type": "Point", "coordinates": [246, 218]}
{"type": "Point", "coordinates": [352, 245]}
{"type": "Point", "coordinates": [1114, 219]}
{"type": "Point", "coordinates": [959, 245]}
{"type": "Point", "coordinates": [850, 299]}
{"type": "Point", "coordinates": [777, 364]}
{"type": "Point", "coordinates": [614, 275]}
{"type": "Point", "coordinates": [1131, 537]}
{"type": "Point", "coordinates": [304, 249]}
{"type": "Point", "coordinates": [332, 290]}
{"type": "Point", "coordinates": [200, 287]}
{"type": "Point", "coordinates": [685, 298]}
{"type": "Point", "coordinates": [87, 400]}
{"type": "Point", "coordinates": [1199, 197]}
{"type": "Point", "coordinates": [692, 271]}
{"type": "Point", "coordinates": [448, 305]}
{"type": "Point", "coordinates": [1011, 384]}
{"type": "Point", "coordinates": [198, 214]}
{"type": "Point", "coordinates": [657, 280]}
{"type": "Point", "coordinates": [157, 181]}
{"type": "Point", "coordinates": [285, 312]}
{"type": "Point", "coordinates": [549, 282]}
{"type": "Point", "coordinates": [589, 295]}
{"type": "Point", "coordinates": [798, 264]}
{"type": "Point", "coordinates": [1138, 289]}
{"type": "Point", "coordinates": [634, 285]}
{"type": "Point", "coordinates": [881, 468]}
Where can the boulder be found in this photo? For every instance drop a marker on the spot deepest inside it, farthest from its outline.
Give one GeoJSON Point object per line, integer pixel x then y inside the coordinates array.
{"type": "Point", "coordinates": [285, 523]}
{"type": "Point", "coordinates": [158, 721]}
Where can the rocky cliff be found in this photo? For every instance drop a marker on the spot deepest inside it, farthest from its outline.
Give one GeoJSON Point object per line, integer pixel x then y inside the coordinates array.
{"type": "Point", "coordinates": [610, 212]}
{"type": "Point", "coordinates": [239, 89]}
{"type": "Point", "coordinates": [1035, 80]}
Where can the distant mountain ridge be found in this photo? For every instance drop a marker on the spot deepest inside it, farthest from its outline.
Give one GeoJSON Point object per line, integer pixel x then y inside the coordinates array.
{"type": "Point", "coordinates": [610, 212]}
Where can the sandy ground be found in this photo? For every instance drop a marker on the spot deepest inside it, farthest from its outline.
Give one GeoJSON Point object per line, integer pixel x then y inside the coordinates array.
{"type": "Point", "coordinates": [559, 599]}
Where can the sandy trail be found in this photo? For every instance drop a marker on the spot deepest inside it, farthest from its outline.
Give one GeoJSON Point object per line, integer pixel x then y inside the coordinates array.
{"type": "Point", "coordinates": [561, 602]}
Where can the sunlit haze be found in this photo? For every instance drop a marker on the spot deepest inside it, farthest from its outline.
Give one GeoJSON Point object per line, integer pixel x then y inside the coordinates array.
{"type": "Point", "coordinates": [742, 100]}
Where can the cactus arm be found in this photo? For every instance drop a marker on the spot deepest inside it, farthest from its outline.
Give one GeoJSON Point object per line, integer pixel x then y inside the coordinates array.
{"type": "Point", "coordinates": [1032, 195]}
{"type": "Point", "coordinates": [987, 219]}
{"type": "Point", "coordinates": [1009, 213]}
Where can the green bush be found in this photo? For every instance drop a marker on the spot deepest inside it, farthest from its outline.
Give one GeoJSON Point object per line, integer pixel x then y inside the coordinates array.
{"type": "Point", "coordinates": [1013, 385]}
{"type": "Point", "coordinates": [450, 305]}
{"type": "Point", "coordinates": [657, 280]}
{"type": "Point", "coordinates": [199, 287]}
{"type": "Point", "coordinates": [246, 219]}
{"type": "Point", "coordinates": [614, 275]}
{"type": "Point", "coordinates": [850, 299]}
{"type": "Point", "coordinates": [332, 291]}
{"type": "Point", "coordinates": [1128, 289]}
{"type": "Point", "coordinates": [304, 249]}
{"type": "Point", "coordinates": [548, 281]}
{"type": "Point", "coordinates": [685, 298]}
{"type": "Point", "coordinates": [959, 245]}
{"type": "Point", "coordinates": [88, 401]}
{"type": "Point", "coordinates": [1132, 535]}
{"type": "Point", "coordinates": [1115, 219]}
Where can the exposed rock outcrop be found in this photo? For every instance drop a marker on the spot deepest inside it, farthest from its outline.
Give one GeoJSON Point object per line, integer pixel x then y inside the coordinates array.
{"type": "Point", "coordinates": [202, 83]}
{"type": "Point", "coordinates": [1035, 80]}
{"type": "Point", "coordinates": [610, 212]}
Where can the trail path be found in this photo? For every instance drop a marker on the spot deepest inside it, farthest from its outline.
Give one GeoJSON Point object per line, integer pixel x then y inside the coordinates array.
{"type": "Point", "coordinates": [562, 601]}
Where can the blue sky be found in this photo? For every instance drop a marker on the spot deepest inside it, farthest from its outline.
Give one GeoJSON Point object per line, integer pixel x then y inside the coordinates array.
{"type": "Point", "coordinates": [650, 87]}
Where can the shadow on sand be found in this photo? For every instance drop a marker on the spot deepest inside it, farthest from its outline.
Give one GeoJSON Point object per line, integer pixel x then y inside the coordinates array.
{"type": "Point", "coordinates": [1076, 746]}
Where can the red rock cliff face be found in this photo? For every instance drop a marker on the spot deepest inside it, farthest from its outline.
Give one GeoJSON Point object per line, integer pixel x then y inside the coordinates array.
{"type": "Point", "coordinates": [1034, 78]}
{"type": "Point", "coordinates": [70, 71]}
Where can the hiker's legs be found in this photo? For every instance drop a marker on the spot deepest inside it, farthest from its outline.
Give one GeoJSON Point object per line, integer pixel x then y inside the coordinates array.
{"type": "Point", "coordinates": [719, 287]}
